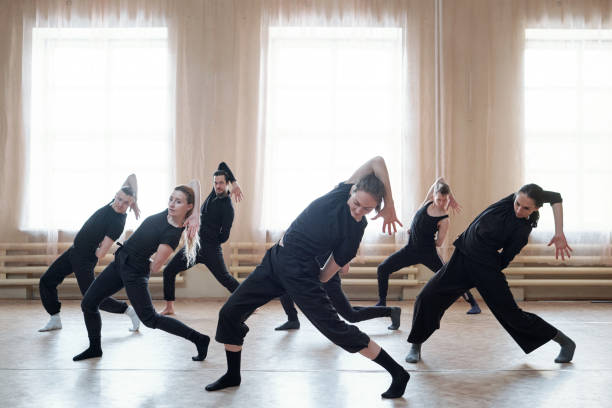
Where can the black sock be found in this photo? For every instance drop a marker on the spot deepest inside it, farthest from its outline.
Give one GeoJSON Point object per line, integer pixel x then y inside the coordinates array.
{"type": "Point", "coordinates": [291, 324]}
{"type": "Point", "coordinates": [201, 341]}
{"type": "Point", "coordinates": [399, 376]}
{"type": "Point", "coordinates": [94, 350]}
{"type": "Point", "coordinates": [232, 377]}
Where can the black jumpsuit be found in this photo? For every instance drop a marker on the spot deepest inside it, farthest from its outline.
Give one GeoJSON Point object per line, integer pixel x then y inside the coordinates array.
{"type": "Point", "coordinates": [421, 249]}
{"type": "Point", "coordinates": [325, 226]}
{"type": "Point", "coordinates": [477, 262]}
{"type": "Point", "coordinates": [217, 215]}
{"type": "Point", "coordinates": [81, 260]}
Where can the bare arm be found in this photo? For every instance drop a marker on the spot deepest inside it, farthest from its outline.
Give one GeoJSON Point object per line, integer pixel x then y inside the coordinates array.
{"type": "Point", "coordinates": [133, 184]}
{"type": "Point", "coordinates": [161, 256]}
{"type": "Point", "coordinates": [330, 268]}
{"type": "Point", "coordinates": [561, 246]}
{"type": "Point", "coordinates": [192, 223]}
{"type": "Point", "coordinates": [429, 195]}
{"type": "Point", "coordinates": [236, 192]}
{"type": "Point", "coordinates": [103, 248]}
{"type": "Point", "coordinates": [377, 166]}
{"type": "Point", "coordinates": [235, 189]}
{"type": "Point", "coordinates": [442, 231]}
{"type": "Point", "coordinates": [452, 202]}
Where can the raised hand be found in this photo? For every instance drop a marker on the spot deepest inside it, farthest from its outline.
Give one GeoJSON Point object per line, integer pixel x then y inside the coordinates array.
{"type": "Point", "coordinates": [135, 209]}
{"type": "Point", "coordinates": [192, 224]}
{"type": "Point", "coordinates": [236, 192]}
{"type": "Point", "coordinates": [561, 246]}
{"type": "Point", "coordinates": [390, 218]}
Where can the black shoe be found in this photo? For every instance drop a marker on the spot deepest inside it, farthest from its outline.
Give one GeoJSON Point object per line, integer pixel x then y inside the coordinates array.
{"type": "Point", "coordinates": [396, 313]}
{"type": "Point", "coordinates": [289, 325]}
{"type": "Point", "coordinates": [382, 303]}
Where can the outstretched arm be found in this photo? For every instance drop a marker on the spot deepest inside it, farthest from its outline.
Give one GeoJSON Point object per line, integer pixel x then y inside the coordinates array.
{"type": "Point", "coordinates": [133, 184]}
{"type": "Point", "coordinates": [429, 195]}
{"type": "Point", "coordinates": [193, 222]}
{"type": "Point", "coordinates": [377, 166]}
{"type": "Point", "coordinates": [561, 246]}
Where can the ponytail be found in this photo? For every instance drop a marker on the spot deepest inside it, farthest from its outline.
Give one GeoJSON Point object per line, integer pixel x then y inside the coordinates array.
{"type": "Point", "coordinates": [192, 245]}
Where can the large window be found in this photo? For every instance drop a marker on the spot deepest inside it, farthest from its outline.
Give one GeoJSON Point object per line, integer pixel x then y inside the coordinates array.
{"type": "Point", "coordinates": [568, 117]}
{"type": "Point", "coordinates": [333, 101]}
{"type": "Point", "coordinates": [100, 110]}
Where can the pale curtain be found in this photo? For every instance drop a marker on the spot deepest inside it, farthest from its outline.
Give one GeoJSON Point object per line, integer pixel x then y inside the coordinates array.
{"type": "Point", "coordinates": [464, 88]}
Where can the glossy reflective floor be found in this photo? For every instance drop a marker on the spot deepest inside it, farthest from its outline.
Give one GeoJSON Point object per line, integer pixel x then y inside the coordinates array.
{"type": "Point", "coordinates": [469, 362]}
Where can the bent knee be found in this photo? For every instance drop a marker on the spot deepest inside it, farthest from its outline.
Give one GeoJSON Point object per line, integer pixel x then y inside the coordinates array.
{"type": "Point", "coordinates": [88, 305]}
{"type": "Point", "coordinates": [382, 270]}
{"type": "Point", "coordinates": [149, 320]}
{"type": "Point", "coordinates": [227, 312]}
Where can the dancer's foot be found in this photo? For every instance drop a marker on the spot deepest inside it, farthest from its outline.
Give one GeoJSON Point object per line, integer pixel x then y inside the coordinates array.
{"type": "Point", "coordinates": [568, 347]}
{"type": "Point", "coordinates": [54, 323]}
{"type": "Point", "coordinates": [414, 355]}
{"type": "Point", "coordinates": [202, 341]}
{"type": "Point", "coordinates": [396, 313]}
{"type": "Point", "coordinates": [135, 320]}
{"type": "Point", "coordinates": [91, 352]}
{"type": "Point", "coordinates": [289, 325]}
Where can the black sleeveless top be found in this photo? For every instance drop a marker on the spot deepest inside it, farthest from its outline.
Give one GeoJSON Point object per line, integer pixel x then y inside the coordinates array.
{"type": "Point", "coordinates": [423, 228]}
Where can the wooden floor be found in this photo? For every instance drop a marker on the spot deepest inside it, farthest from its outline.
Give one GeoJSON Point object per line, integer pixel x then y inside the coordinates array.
{"type": "Point", "coordinates": [469, 362]}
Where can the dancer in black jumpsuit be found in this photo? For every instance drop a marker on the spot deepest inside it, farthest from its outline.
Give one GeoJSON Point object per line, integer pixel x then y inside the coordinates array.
{"type": "Point", "coordinates": [350, 313]}
{"type": "Point", "coordinates": [476, 262]}
{"type": "Point", "coordinates": [217, 215]}
{"type": "Point", "coordinates": [333, 223]}
{"type": "Point", "coordinates": [427, 231]}
{"type": "Point", "coordinates": [91, 243]}
{"type": "Point", "coordinates": [159, 233]}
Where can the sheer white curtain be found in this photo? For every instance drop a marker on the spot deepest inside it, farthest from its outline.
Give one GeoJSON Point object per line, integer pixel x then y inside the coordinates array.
{"type": "Point", "coordinates": [100, 110]}
{"type": "Point", "coordinates": [98, 89]}
{"type": "Point", "coordinates": [334, 100]}
{"type": "Point", "coordinates": [568, 126]}
{"type": "Point", "coordinates": [341, 82]}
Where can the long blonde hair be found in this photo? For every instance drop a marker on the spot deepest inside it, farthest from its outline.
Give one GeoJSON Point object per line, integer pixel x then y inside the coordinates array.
{"type": "Point", "coordinates": [192, 245]}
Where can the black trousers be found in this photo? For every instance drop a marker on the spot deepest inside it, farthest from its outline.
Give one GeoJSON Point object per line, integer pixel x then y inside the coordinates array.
{"type": "Point", "coordinates": [134, 276]}
{"type": "Point", "coordinates": [352, 314]}
{"type": "Point", "coordinates": [462, 273]}
{"type": "Point", "coordinates": [83, 268]}
{"type": "Point", "coordinates": [211, 256]}
{"type": "Point", "coordinates": [280, 273]}
{"type": "Point", "coordinates": [408, 256]}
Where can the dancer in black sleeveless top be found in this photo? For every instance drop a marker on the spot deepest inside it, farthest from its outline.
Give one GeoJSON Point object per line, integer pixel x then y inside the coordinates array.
{"type": "Point", "coordinates": [427, 231]}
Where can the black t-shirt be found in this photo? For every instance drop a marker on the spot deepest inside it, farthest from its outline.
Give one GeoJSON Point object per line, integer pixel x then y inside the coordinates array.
{"type": "Point", "coordinates": [326, 226]}
{"type": "Point", "coordinates": [497, 228]}
{"type": "Point", "coordinates": [105, 222]}
{"type": "Point", "coordinates": [423, 228]}
{"type": "Point", "coordinates": [153, 231]}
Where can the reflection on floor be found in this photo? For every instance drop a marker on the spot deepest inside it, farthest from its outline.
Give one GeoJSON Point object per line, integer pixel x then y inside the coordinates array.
{"type": "Point", "coordinates": [469, 362]}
